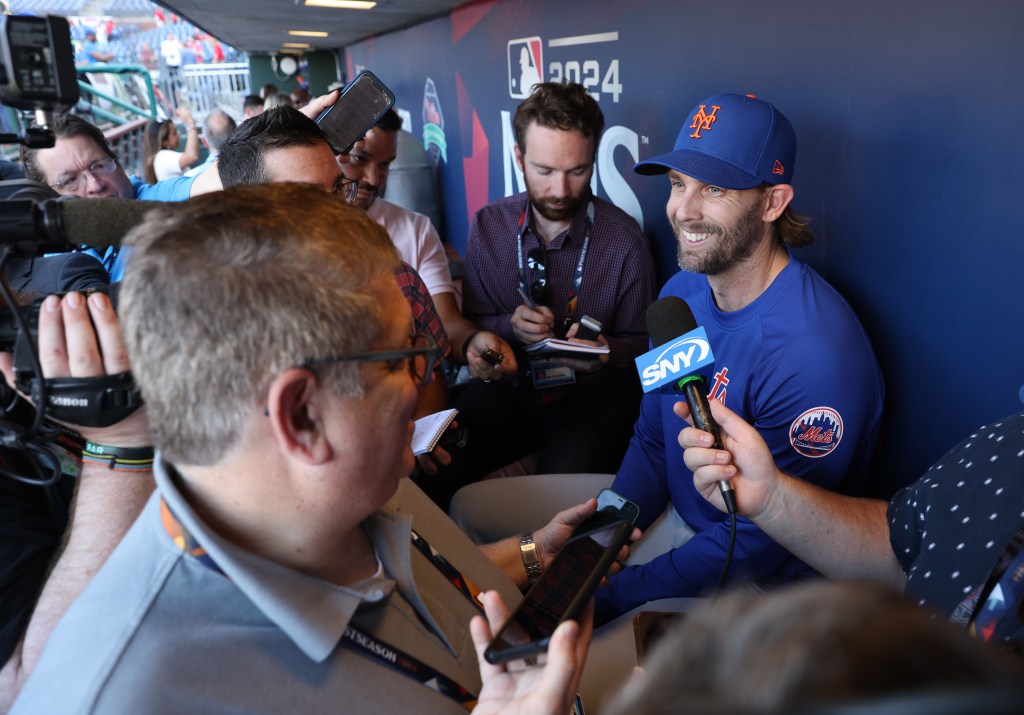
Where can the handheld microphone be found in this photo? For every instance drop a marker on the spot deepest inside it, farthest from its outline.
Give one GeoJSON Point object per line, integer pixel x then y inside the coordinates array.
{"type": "Point", "coordinates": [33, 228]}
{"type": "Point", "coordinates": [677, 363]}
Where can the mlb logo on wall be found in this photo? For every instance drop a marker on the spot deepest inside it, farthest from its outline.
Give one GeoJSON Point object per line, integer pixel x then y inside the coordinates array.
{"type": "Point", "coordinates": [816, 432]}
{"type": "Point", "coordinates": [525, 66]}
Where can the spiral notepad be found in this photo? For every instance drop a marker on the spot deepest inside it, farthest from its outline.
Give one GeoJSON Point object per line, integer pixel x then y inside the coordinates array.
{"type": "Point", "coordinates": [429, 429]}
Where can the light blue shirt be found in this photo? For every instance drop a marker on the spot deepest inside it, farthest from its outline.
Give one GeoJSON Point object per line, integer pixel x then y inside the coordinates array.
{"type": "Point", "coordinates": [114, 258]}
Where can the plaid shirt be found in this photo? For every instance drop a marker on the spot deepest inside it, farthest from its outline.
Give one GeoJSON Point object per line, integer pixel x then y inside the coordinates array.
{"type": "Point", "coordinates": [618, 274]}
{"type": "Point", "coordinates": [424, 314]}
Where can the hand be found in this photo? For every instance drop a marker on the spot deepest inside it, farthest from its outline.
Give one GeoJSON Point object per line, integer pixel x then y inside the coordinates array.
{"type": "Point", "coordinates": [438, 457]}
{"type": "Point", "coordinates": [186, 116]}
{"type": "Point", "coordinates": [552, 537]}
{"type": "Point", "coordinates": [480, 368]}
{"type": "Point", "coordinates": [591, 364]}
{"type": "Point", "coordinates": [746, 460]}
{"type": "Point", "coordinates": [531, 325]}
{"type": "Point", "coordinates": [318, 104]}
{"type": "Point", "coordinates": [538, 690]}
{"type": "Point", "coordinates": [81, 337]}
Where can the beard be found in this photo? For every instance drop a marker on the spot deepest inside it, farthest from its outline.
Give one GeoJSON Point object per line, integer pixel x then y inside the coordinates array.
{"type": "Point", "coordinates": [727, 247]}
{"type": "Point", "coordinates": [556, 209]}
{"type": "Point", "coordinates": [373, 191]}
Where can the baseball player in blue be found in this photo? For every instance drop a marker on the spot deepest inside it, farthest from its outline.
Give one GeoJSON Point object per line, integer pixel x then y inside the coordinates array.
{"type": "Point", "coordinates": [791, 357]}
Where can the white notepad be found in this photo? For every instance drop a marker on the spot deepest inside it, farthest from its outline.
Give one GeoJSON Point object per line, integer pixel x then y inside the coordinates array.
{"type": "Point", "coordinates": [429, 429]}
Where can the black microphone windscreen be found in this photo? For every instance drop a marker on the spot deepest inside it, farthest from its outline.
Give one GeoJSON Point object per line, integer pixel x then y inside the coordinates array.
{"type": "Point", "coordinates": [669, 318]}
{"type": "Point", "coordinates": [102, 222]}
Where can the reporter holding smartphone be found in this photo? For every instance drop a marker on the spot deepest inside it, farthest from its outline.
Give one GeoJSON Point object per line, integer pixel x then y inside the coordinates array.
{"type": "Point", "coordinates": [282, 537]}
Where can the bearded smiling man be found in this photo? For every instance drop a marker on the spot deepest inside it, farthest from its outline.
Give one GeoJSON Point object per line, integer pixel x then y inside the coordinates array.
{"type": "Point", "coordinates": [791, 359]}
{"type": "Point", "coordinates": [790, 354]}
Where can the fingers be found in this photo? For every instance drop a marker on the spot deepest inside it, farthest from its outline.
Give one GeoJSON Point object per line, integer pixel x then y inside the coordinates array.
{"type": "Point", "coordinates": [80, 337]}
{"type": "Point", "coordinates": [533, 325]}
{"type": "Point", "coordinates": [576, 515]}
{"type": "Point", "coordinates": [482, 369]}
{"type": "Point", "coordinates": [561, 671]}
{"type": "Point", "coordinates": [496, 610]}
{"type": "Point", "coordinates": [108, 330]}
{"type": "Point", "coordinates": [483, 631]}
{"type": "Point", "coordinates": [319, 104]}
{"type": "Point", "coordinates": [53, 356]}
{"type": "Point", "coordinates": [481, 634]}
{"type": "Point", "coordinates": [426, 464]}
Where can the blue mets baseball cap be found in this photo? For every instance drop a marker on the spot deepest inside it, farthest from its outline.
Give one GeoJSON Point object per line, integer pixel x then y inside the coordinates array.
{"type": "Point", "coordinates": [731, 140]}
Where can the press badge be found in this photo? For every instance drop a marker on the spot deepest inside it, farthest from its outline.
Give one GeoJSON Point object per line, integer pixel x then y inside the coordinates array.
{"type": "Point", "coordinates": [549, 373]}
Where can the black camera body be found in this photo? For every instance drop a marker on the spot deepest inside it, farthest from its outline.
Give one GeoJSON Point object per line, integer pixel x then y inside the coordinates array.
{"type": "Point", "coordinates": [37, 64]}
{"type": "Point", "coordinates": [89, 402]}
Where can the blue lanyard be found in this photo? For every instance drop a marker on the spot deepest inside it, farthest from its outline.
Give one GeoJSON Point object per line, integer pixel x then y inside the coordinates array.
{"type": "Point", "coordinates": [577, 279]}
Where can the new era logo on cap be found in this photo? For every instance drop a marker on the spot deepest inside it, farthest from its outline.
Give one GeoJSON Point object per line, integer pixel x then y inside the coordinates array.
{"type": "Point", "coordinates": [731, 140]}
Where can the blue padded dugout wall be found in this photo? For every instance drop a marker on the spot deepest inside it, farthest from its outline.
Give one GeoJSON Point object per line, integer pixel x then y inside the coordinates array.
{"type": "Point", "coordinates": [910, 120]}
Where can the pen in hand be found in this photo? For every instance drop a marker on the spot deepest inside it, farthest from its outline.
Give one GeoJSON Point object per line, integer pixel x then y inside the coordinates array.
{"type": "Point", "coordinates": [531, 304]}
{"type": "Point", "coordinates": [527, 299]}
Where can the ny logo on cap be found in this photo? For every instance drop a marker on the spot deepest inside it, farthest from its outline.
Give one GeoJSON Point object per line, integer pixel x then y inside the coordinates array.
{"type": "Point", "coordinates": [703, 121]}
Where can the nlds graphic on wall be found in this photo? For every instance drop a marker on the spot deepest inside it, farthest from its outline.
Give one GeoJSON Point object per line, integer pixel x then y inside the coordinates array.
{"type": "Point", "coordinates": [865, 172]}
{"type": "Point", "coordinates": [590, 60]}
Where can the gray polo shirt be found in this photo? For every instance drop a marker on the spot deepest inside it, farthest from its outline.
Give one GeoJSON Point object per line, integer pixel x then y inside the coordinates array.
{"type": "Point", "coordinates": [158, 631]}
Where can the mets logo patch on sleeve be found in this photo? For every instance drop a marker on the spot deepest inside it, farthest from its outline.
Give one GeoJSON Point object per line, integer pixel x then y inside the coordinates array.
{"type": "Point", "coordinates": [816, 432]}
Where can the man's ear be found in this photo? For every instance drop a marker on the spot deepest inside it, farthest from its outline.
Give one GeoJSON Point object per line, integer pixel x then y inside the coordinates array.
{"type": "Point", "coordinates": [519, 158]}
{"type": "Point", "coordinates": [779, 197]}
{"type": "Point", "coordinates": [296, 414]}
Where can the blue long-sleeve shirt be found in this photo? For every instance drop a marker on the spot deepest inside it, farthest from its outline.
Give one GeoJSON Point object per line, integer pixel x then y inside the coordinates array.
{"type": "Point", "coordinates": [795, 363]}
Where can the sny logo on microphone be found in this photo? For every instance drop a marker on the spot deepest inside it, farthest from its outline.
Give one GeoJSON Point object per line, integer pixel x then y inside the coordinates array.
{"type": "Point", "coordinates": [666, 364]}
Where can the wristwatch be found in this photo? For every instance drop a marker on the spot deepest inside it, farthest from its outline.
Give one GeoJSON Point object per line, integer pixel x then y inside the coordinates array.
{"type": "Point", "coordinates": [531, 559]}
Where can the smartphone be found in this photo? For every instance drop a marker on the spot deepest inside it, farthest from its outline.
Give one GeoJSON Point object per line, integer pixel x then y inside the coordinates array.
{"type": "Point", "coordinates": [564, 588]}
{"type": "Point", "coordinates": [590, 328]}
{"type": "Point", "coordinates": [360, 105]}
{"type": "Point", "coordinates": [607, 499]}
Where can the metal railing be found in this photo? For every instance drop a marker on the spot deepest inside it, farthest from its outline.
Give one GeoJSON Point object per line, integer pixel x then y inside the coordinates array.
{"type": "Point", "coordinates": [126, 142]}
{"type": "Point", "coordinates": [210, 86]}
{"type": "Point", "coordinates": [118, 93]}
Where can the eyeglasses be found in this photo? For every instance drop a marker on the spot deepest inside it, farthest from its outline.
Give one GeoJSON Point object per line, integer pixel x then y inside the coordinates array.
{"type": "Point", "coordinates": [100, 167]}
{"type": "Point", "coordinates": [346, 190]}
{"type": "Point", "coordinates": [422, 357]}
{"type": "Point", "coordinates": [536, 263]}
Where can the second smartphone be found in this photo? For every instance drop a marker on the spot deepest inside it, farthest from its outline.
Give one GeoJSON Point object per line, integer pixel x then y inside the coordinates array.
{"type": "Point", "coordinates": [568, 582]}
{"type": "Point", "coordinates": [360, 105]}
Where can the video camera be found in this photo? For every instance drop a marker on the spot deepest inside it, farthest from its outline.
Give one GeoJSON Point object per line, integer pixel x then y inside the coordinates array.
{"type": "Point", "coordinates": [88, 402]}
{"type": "Point", "coordinates": [37, 72]}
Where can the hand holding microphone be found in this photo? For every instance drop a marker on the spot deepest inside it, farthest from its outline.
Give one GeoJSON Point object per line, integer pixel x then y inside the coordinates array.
{"type": "Point", "coordinates": [676, 363]}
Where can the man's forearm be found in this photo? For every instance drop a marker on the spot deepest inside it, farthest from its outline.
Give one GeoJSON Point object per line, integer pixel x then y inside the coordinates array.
{"type": "Point", "coordinates": [507, 556]}
{"type": "Point", "coordinates": [840, 536]}
{"type": "Point", "coordinates": [458, 327]}
{"type": "Point", "coordinates": [106, 504]}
